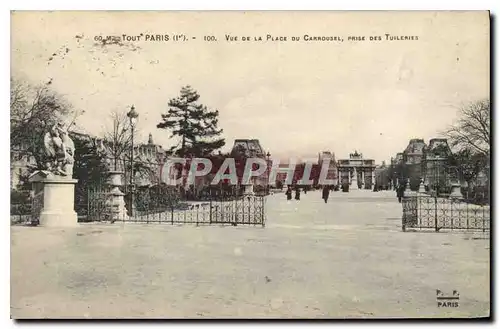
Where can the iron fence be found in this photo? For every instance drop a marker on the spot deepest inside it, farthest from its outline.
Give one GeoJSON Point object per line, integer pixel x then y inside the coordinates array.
{"type": "Point", "coordinates": [21, 206]}
{"type": "Point", "coordinates": [153, 206]}
{"type": "Point", "coordinates": [422, 212]}
{"type": "Point", "coordinates": [158, 206]}
{"type": "Point", "coordinates": [248, 210]}
{"type": "Point", "coordinates": [20, 213]}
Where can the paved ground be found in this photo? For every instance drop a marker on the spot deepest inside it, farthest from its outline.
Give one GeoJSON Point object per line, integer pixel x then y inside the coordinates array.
{"type": "Point", "coordinates": [347, 258]}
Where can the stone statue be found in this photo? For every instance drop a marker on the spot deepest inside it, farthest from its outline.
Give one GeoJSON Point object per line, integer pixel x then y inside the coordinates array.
{"type": "Point", "coordinates": [59, 151]}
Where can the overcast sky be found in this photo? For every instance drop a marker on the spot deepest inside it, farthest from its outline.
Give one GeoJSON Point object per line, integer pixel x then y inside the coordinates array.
{"type": "Point", "coordinates": [297, 98]}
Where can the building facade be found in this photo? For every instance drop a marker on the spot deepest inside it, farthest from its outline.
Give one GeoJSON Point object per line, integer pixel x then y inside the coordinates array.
{"type": "Point", "coordinates": [436, 173]}
{"type": "Point", "coordinates": [414, 158]}
{"type": "Point", "coordinates": [382, 176]}
{"type": "Point", "coordinates": [424, 163]}
{"type": "Point", "coordinates": [364, 168]}
{"type": "Point", "coordinates": [251, 148]}
{"type": "Point", "coordinates": [332, 173]}
{"type": "Point", "coordinates": [20, 161]}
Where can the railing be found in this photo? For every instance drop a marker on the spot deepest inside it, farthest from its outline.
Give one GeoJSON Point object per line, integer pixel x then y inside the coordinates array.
{"type": "Point", "coordinates": [422, 211]}
{"type": "Point", "coordinates": [161, 206]}
{"type": "Point", "coordinates": [151, 205]}
{"type": "Point", "coordinates": [21, 207]}
{"type": "Point", "coordinates": [164, 205]}
{"type": "Point", "coordinates": [247, 210]}
{"type": "Point", "coordinates": [20, 213]}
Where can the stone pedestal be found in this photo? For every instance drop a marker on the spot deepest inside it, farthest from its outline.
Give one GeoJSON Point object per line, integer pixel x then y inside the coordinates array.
{"type": "Point", "coordinates": [57, 199]}
{"type": "Point", "coordinates": [421, 188]}
{"type": "Point", "coordinates": [408, 191]}
{"type": "Point", "coordinates": [115, 201]}
{"type": "Point", "coordinates": [456, 193]}
{"type": "Point", "coordinates": [248, 190]}
{"type": "Point", "coordinates": [354, 182]}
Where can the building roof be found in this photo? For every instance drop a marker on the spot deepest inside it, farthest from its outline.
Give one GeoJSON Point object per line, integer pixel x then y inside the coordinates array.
{"type": "Point", "coordinates": [250, 147]}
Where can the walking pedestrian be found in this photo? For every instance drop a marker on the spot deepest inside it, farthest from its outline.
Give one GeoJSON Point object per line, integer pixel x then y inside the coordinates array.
{"type": "Point", "coordinates": [400, 192]}
{"type": "Point", "coordinates": [326, 193]}
{"type": "Point", "coordinates": [288, 193]}
{"type": "Point", "coordinates": [297, 193]}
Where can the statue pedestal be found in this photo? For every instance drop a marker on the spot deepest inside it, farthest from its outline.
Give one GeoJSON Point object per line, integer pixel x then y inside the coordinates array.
{"type": "Point", "coordinates": [57, 199]}
{"type": "Point", "coordinates": [354, 181]}
{"type": "Point", "coordinates": [115, 202]}
{"type": "Point", "coordinates": [456, 193]}
{"type": "Point", "coordinates": [408, 192]}
{"type": "Point", "coordinates": [421, 187]}
{"type": "Point", "coordinates": [248, 190]}
{"type": "Point", "coordinates": [354, 184]}
{"type": "Point", "coordinates": [116, 205]}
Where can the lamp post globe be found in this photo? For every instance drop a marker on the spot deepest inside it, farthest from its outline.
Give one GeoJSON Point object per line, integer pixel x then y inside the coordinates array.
{"type": "Point", "coordinates": [132, 115]}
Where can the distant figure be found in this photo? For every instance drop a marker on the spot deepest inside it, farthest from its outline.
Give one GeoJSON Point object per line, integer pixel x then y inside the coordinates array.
{"type": "Point", "coordinates": [297, 193]}
{"type": "Point", "coordinates": [326, 193]}
{"type": "Point", "coordinates": [400, 192]}
{"type": "Point", "coordinates": [288, 193]}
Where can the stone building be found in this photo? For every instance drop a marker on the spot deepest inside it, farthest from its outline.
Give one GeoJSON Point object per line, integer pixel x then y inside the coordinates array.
{"type": "Point", "coordinates": [414, 152]}
{"type": "Point", "coordinates": [413, 158]}
{"type": "Point", "coordinates": [151, 157]}
{"type": "Point", "coordinates": [382, 176]}
{"type": "Point", "coordinates": [399, 158]}
{"type": "Point", "coordinates": [422, 162]}
{"type": "Point", "coordinates": [437, 155]}
{"type": "Point", "coordinates": [332, 173]}
{"type": "Point", "coordinates": [365, 170]}
{"type": "Point", "coordinates": [397, 170]}
{"type": "Point", "coordinates": [429, 163]}
{"type": "Point", "coordinates": [20, 161]}
{"type": "Point", "coordinates": [148, 161]}
{"type": "Point", "coordinates": [251, 148]}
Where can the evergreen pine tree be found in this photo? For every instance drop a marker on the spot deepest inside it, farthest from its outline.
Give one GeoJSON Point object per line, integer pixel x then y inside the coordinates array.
{"type": "Point", "coordinates": [193, 123]}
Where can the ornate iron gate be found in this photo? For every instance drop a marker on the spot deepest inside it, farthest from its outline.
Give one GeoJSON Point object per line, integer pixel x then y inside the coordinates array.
{"type": "Point", "coordinates": [428, 212]}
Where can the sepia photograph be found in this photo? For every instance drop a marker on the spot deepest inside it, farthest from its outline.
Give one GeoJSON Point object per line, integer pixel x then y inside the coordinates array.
{"type": "Point", "coordinates": [250, 165]}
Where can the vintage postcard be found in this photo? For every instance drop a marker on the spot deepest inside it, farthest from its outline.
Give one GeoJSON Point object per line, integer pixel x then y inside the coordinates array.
{"type": "Point", "coordinates": [248, 165]}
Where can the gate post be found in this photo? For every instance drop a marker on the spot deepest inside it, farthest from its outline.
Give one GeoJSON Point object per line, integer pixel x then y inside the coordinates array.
{"type": "Point", "coordinates": [435, 214]}
{"type": "Point", "coordinates": [263, 212]}
{"type": "Point", "coordinates": [115, 202]}
{"type": "Point", "coordinates": [210, 215]}
{"type": "Point", "coordinates": [403, 218]}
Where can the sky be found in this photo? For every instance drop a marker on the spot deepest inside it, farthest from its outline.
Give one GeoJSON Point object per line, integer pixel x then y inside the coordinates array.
{"type": "Point", "coordinates": [297, 97]}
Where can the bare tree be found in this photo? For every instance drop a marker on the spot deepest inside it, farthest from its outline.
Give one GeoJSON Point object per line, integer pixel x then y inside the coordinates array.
{"type": "Point", "coordinates": [472, 130]}
{"type": "Point", "coordinates": [33, 110]}
{"type": "Point", "coordinates": [117, 145]}
{"type": "Point", "coordinates": [117, 140]}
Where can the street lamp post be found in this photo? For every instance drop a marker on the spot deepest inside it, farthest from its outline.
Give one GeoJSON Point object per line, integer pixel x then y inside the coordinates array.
{"type": "Point", "coordinates": [132, 115]}
{"type": "Point", "coordinates": [268, 155]}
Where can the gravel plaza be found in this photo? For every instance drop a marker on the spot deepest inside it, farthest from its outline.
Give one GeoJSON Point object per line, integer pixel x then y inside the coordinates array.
{"type": "Point", "coordinates": [345, 259]}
